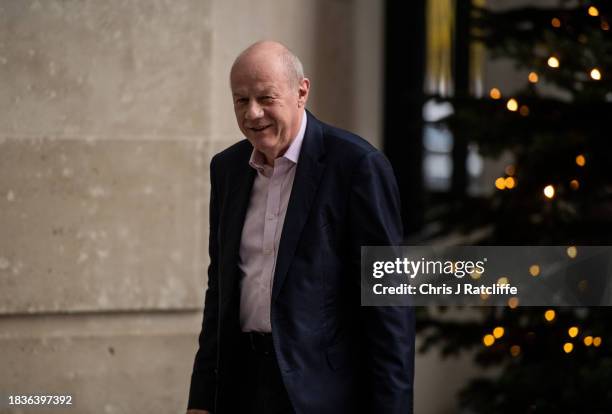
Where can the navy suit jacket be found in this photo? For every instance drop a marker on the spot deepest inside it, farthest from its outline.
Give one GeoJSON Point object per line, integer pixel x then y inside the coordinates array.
{"type": "Point", "coordinates": [335, 356]}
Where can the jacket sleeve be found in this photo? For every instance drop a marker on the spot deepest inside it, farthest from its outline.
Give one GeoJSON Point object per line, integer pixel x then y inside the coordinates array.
{"type": "Point", "coordinates": [388, 331]}
{"type": "Point", "coordinates": [204, 377]}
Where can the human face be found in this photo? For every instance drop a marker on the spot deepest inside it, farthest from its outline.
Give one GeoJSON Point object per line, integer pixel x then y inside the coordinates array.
{"type": "Point", "coordinates": [268, 106]}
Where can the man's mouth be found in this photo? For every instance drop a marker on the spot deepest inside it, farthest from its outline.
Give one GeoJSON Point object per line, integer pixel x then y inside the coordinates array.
{"type": "Point", "coordinates": [260, 128]}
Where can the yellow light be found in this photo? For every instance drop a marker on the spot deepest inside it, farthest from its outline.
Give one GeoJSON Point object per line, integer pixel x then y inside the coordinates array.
{"type": "Point", "coordinates": [524, 110]}
{"type": "Point", "coordinates": [510, 182]}
{"type": "Point", "coordinates": [595, 74]}
{"type": "Point", "coordinates": [574, 184]}
{"type": "Point", "coordinates": [549, 191]}
{"type": "Point", "coordinates": [495, 93]}
{"type": "Point", "coordinates": [498, 332]}
{"type": "Point", "coordinates": [580, 160]}
{"type": "Point", "coordinates": [503, 281]}
{"type": "Point", "coordinates": [605, 26]}
{"type": "Point", "coordinates": [534, 270]}
{"type": "Point", "coordinates": [553, 62]}
{"type": "Point", "coordinates": [533, 77]}
{"type": "Point", "coordinates": [512, 105]}
{"type": "Point", "coordinates": [568, 347]}
{"type": "Point", "coordinates": [500, 183]}
{"type": "Point", "coordinates": [488, 340]}
{"type": "Point", "coordinates": [588, 340]}
{"type": "Point", "coordinates": [515, 350]}
{"type": "Point", "coordinates": [573, 331]}
{"type": "Point", "coordinates": [572, 252]}
{"type": "Point", "coordinates": [513, 302]}
{"type": "Point", "coordinates": [597, 341]}
{"type": "Point", "coordinates": [484, 296]}
{"type": "Point", "coordinates": [555, 22]}
{"type": "Point", "coordinates": [549, 315]}
{"type": "Point", "coordinates": [510, 169]}
{"type": "Point", "coordinates": [593, 11]}
{"type": "Point", "coordinates": [475, 275]}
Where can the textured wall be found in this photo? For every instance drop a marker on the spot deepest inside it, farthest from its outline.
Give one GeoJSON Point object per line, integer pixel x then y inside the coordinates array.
{"type": "Point", "coordinates": [104, 124]}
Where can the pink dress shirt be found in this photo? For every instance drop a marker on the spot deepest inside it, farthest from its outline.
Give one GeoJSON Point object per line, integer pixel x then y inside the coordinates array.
{"type": "Point", "coordinates": [261, 233]}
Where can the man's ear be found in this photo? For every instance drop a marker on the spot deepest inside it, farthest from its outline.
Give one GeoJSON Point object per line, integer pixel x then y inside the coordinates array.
{"type": "Point", "coordinates": [303, 90]}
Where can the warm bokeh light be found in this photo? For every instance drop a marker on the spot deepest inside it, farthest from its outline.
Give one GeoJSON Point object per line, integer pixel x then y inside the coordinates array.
{"type": "Point", "coordinates": [495, 93]}
{"type": "Point", "coordinates": [572, 252]}
{"type": "Point", "coordinates": [568, 347]}
{"type": "Point", "coordinates": [510, 182]}
{"type": "Point", "coordinates": [595, 74]}
{"type": "Point", "coordinates": [524, 110]}
{"type": "Point", "coordinates": [488, 340]}
{"type": "Point", "coordinates": [484, 296]}
{"type": "Point", "coordinates": [549, 315]}
{"type": "Point", "coordinates": [553, 62]}
{"type": "Point", "coordinates": [534, 270]}
{"type": "Point", "coordinates": [573, 331]}
{"type": "Point", "coordinates": [475, 274]}
{"type": "Point", "coordinates": [498, 332]}
{"type": "Point", "coordinates": [515, 350]}
{"type": "Point", "coordinates": [574, 184]}
{"type": "Point", "coordinates": [588, 340]}
{"type": "Point", "coordinates": [580, 160]}
{"type": "Point", "coordinates": [549, 191]}
{"type": "Point", "coordinates": [555, 22]}
{"type": "Point", "coordinates": [597, 341]}
{"type": "Point", "coordinates": [605, 25]}
{"type": "Point", "coordinates": [503, 281]}
{"type": "Point", "coordinates": [500, 183]}
{"type": "Point", "coordinates": [593, 11]}
{"type": "Point", "coordinates": [513, 302]}
{"type": "Point", "coordinates": [533, 77]}
{"type": "Point", "coordinates": [510, 169]}
{"type": "Point", "coordinates": [512, 105]}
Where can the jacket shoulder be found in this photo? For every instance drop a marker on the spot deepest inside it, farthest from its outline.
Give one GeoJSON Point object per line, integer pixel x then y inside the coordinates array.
{"type": "Point", "coordinates": [235, 153]}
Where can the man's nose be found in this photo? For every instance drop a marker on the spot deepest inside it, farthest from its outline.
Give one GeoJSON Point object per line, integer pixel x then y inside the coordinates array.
{"type": "Point", "coordinates": [254, 110]}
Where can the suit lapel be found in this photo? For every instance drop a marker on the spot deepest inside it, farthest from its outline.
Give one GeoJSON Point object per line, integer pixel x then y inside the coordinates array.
{"type": "Point", "coordinates": [307, 177]}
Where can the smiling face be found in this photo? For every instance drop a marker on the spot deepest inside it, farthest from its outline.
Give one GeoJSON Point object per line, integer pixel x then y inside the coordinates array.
{"type": "Point", "coordinates": [268, 103]}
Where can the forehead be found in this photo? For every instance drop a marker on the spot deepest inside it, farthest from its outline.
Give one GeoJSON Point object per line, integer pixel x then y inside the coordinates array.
{"type": "Point", "coordinates": [250, 76]}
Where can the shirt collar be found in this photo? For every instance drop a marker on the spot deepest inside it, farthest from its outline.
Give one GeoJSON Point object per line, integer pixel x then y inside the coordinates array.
{"type": "Point", "coordinates": [257, 160]}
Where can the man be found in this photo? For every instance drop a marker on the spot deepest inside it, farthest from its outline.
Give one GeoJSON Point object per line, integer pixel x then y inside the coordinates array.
{"type": "Point", "coordinates": [290, 208]}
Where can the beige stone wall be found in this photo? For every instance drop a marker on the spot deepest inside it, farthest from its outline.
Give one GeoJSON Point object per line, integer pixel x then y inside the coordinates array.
{"type": "Point", "coordinates": [109, 114]}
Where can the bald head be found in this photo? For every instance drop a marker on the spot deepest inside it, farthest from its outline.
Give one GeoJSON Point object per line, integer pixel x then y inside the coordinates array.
{"type": "Point", "coordinates": [267, 53]}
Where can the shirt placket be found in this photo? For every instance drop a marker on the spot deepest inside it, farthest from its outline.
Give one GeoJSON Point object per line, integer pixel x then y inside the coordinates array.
{"type": "Point", "coordinates": [273, 203]}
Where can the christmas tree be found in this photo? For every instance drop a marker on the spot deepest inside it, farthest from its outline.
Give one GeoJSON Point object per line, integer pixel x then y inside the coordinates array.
{"type": "Point", "coordinates": [557, 191]}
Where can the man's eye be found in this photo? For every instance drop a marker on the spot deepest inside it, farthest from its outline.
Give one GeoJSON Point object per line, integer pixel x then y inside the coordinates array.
{"type": "Point", "coordinates": [241, 101]}
{"type": "Point", "coordinates": [266, 98]}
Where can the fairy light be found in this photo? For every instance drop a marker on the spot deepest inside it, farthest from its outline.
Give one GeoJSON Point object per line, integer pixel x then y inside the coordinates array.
{"type": "Point", "coordinates": [574, 184]}
{"type": "Point", "coordinates": [533, 77]}
{"type": "Point", "coordinates": [534, 270]}
{"type": "Point", "coordinates": [512, 104]}
{"type": "Point", "coordinates": [553, 62]}
{"type": "Point", "coordinates": [500, 183]}
{"type": "Point", "coordinates": [513, 302]}
{"type": "Point", "coordinates": [495, 93]}
{"type": "Point", "coordinates": [510, 182]}
{"type": "Point", "coordinates": [510, 169]}
{"type": "Point", "coordinates": [572, 252]}
{"type": "Point", "coordinates": [488, 340]}
{"type": "Point", "coordinates": [595, 74]}
{"type": "Point", "coordinates": [573, 331]}
{"type": "Point", "coordinates": [593, 11]}
{"type": "Point", "coordinates": [515, 350]}
{"type": "Point", "coordinates": [550, 315]}
{"type": "Point", "coordinates": [588, 340]}
{"type": "Point", "coordinates": [597, 341]}
{"type": "Point", "coordinates": [498, 332]}
{"type": "Point", "coordinates": [524, 110]}
{"type": "Point", "coordinates": [568, 347]}
{"type": "Point", "coordinates": [580, 160]}
{"type": "Point", "coordinates": [555, 22]}
{"type": "Point", "coordinates": [549, 191]}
